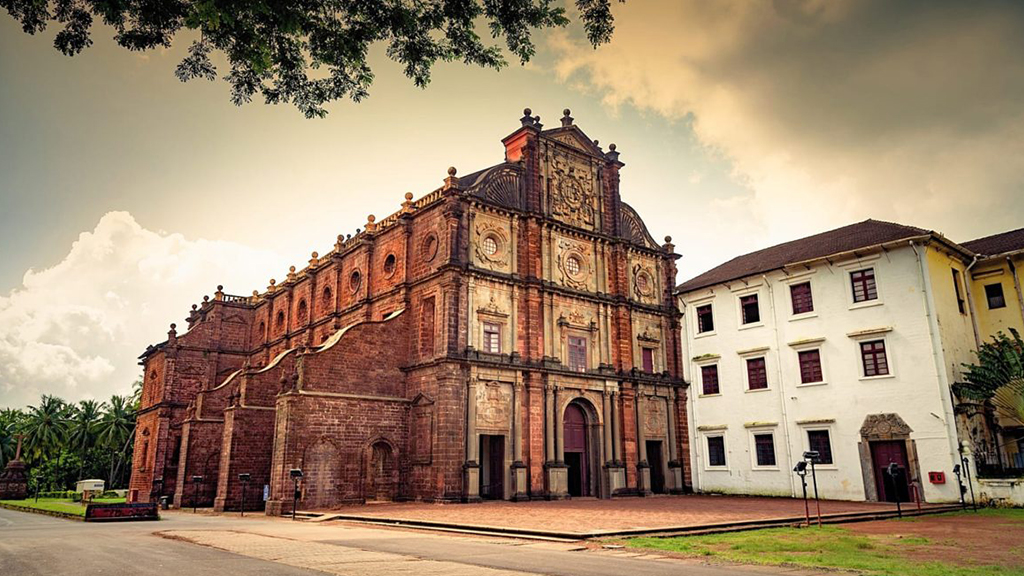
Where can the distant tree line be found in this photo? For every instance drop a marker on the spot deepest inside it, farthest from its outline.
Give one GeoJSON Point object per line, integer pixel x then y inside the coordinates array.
{"type": "Point", "coordinates": [64, 442]}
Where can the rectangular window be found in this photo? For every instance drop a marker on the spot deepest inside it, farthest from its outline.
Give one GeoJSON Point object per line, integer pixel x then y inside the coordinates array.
{"type": "Point", "coordinates": [709, 379]}
{"type": "Point", "coordinates": [757, 375]}
{"type": "Point", "coordinates": [810, 366]}
{"type": "Point", "coordinates": [863, 282]}
{"type": "Point", "coordinates": [873, 355]}
{"type": "Point", "coordinates": [705, 319]}
{"type": "Point", "coordinates": [819, 441]}
{"type": "Point", "coordinates": [492, 338]}
{"type": "Point", "coordinates": [956, 290]}
{"type": "Point", "coordinates": [647, 356]}
{"type": "Point", "coordinates": [427, 326]}
{"type": "Point", "coordinates": [764, 445]}
{"type": "Point", "coordinates": [800, 294]}
{"type": "Point", "coordinates": [748, 306]}
{"type": "Point", "coordinates": [577, 353]}
{"type": "Point", "coordinates": [716, 451]}
{"type": "Point", "coordinates": [994, 295]}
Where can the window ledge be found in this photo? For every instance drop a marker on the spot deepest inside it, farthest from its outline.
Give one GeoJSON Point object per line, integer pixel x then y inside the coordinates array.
{"type": "Point", "coordinates": [866, 304]}
{"type": "Point", "coordinates": [804, 316]}
{"type": "Point", "coordinates": [882, 377]}
{"type": "Point", "coordinates": [704, 334]}
{"type": "Point", "coordinates": [764, 468]}
{"type": "Point", "coordinates": [749, 391]}
{"type": "Point", "coordinates": [751, 325]}
{"type": "Point", "coordinates": [709, 395]}
{"type": "Point", "coordinates": [811, 384]}
{"type": "Point", "coordinates": [826, 467]}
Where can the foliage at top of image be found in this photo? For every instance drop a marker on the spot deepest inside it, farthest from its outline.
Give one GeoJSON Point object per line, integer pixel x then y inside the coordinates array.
{"type": "Point", "coordinates": [311, 52]}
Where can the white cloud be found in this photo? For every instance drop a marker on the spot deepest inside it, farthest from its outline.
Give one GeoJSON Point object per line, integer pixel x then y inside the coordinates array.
{"type": "Point", "coordinates": [830, 112]}
{"type": "Point", "coordinates": [76, 329]}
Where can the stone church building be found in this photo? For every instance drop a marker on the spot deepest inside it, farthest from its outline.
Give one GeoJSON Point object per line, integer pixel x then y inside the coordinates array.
{"type": "Point", "coordinates": [510, 335]}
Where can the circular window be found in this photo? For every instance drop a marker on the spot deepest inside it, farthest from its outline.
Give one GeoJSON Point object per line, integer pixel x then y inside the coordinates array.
{"type": "Point", "coordinates": [429, 247]}
{"type": "Point", "coordinates": [354, 280]}
{"type": "Point", "coordinates": [152, 375]}
{"type": "Point", "coordinates": [389, 265]}
{"type": "Point", "coordinates": [490, 245]}
{"type": "Point", "coordinates": [643, 283]}
{"type": "Point", "coordinates": [573, 265]}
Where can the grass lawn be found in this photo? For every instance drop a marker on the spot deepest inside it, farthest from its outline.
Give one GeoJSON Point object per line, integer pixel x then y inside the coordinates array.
{"type": "Point", "coordinates": [59, 504]}
{"type": "Point", "coordinates": [831, 547]}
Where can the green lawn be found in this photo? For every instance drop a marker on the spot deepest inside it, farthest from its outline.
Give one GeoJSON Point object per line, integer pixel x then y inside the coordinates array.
{"type": "Point", "coordinates": [825, 547]}
{"type": "Point", "coordinates": [59, 505]}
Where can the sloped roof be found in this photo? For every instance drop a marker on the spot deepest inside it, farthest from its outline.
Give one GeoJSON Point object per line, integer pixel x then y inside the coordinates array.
{"type": "Point", "coordinates": [997, 243]}
{"type": "Point", "coordinates": [851, 237]}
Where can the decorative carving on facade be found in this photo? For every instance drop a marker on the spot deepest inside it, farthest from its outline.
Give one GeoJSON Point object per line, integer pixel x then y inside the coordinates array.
{"type": "Point", "coordinates": [421, 430]}
{"type": "Point", "coordinates": [492, 309]}
{"type": "Point", "coordinates": [576, 317]}
{"type": "Point", "coordinates": [654, 418]}
{"type": "Point", "coordinates": [570, 140]}
{"type": "Point", "coordinates": [498, 254]}
{"type": "Point", "coordinates": [643, 282]}
{"type": "Point", "coordinates": [573, 197]}
{"type": "Point", "coordinates": [574, 264]}
{"type": "Point", "coordinates": [494, 406]}
{"type": "Point", "coordinates": [648, 336]}
{"type": "Point", "coordinates": [884, 427]}
{"type": "Point", "coordinates": [428, 247]}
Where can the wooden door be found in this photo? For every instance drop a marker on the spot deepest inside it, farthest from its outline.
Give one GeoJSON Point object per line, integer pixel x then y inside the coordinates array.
{"type": "Point", "coordinates": [575, 447]}
{"type": "Point", "coordinates": [884, 453]}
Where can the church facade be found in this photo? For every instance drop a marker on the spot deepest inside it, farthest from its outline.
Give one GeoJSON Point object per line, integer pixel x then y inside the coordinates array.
{"type": "Point", "coordinates": [510, 335]}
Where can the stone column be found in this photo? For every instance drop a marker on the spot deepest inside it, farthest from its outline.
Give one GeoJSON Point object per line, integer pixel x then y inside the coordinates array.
{"type": "Point", "coordinates": [559, 427]}
{"type": "Point", "coordinates": [616, 427]}
{"type": "Point", "coordinates": [643, 468]}
{"type": "Point", "coordinates": [606, 414]}
{"type": "Point", "coordinates": [675, 465]}
{"type": "Point", "coordinates": [520, 490]}
{"type": "Point", "coordinates": [555, 470]}
{"type": "Point", "coordinates": [471, 469]}
{"type": "Point", "coordinates": [549, 423]}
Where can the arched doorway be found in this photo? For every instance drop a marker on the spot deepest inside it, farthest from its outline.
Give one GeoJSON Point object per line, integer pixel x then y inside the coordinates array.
{"type": "Point", "coordinates": [381, 473]}
{"type": "Point", "coordinates": [577, 450]}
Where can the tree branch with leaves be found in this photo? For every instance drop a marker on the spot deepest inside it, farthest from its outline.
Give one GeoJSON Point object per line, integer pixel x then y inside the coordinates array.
{"type": "Point", "coordinates": [311, 52]}
{"type": "Point", "coordinates": [997, 377]}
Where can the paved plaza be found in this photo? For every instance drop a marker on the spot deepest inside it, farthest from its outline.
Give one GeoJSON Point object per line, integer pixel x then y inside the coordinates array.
{"type": "Point", "coordinates": [589, 515]}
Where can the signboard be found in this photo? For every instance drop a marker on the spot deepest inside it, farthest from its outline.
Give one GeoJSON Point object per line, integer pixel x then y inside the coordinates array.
{"type": "Point", "coordinates": [136, 511]}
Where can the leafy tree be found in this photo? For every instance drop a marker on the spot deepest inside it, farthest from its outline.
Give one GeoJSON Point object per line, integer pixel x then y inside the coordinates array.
{"type": "Point", "coordinates": [310, 52]}
{"type": "Point", "coordinates": [46, 426]}
{"type": "Point", "coordinates": [83, 426]}
{"type": "Point", "coordinates": [998, 377]}
{"type": "Point", "coordinates": [10, 423]}
{"type": "Point", "coordinates": [116, 430]}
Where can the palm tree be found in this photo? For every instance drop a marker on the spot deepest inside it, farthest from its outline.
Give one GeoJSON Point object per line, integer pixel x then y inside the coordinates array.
{"type": "Point", "coordinates": [83, 427]}
{"type": "Point", "coordinates": [46, 426]}
{"type": "Point", "coordinates": [115, 430]}
{"type": "Point", "coordinates": [10, 419]}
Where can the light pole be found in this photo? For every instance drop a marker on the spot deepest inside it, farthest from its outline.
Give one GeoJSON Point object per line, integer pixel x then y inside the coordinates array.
{"type": "Point", "coordinates": [813, 456]}
{"type": "Point", "coordinates": [296, 475]}
{"type": "Point", "coordinates": [960, 483]}
{"type": "Point", "coordinates": [244, 479]}
{"type": "Point", "coordinates": [894, 471]}
{"type": "Point", "coordinates": [196, 480]}
{"type": "Point", "coordinates": [801, 471]}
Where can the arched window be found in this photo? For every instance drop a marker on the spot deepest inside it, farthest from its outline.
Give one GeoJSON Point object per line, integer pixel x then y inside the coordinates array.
{"type": "Point", "coordinates": [280, 320]}
{"type": "Point", "coordinates": [327, 298]}
{"type": "Point", "coordinates": [303, 312]}
{"type": "Point", "coordinates": [263, 330]}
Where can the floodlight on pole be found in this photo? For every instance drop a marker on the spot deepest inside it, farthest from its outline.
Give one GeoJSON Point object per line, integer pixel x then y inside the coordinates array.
{"type": "Point", "coordinates": [296, 475]}
{"type": "Point", "coordinates": [244, 479]}
{"type": "Point", "coordinates": [801, 471]}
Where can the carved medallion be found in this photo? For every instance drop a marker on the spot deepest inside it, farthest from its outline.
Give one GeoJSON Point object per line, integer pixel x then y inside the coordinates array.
{"type": "Point", "coordinates": [494, 406]}
{"type": "Point", "coordinates": [491, 244]}
{"type": "Point", "coordinates": [654, 418]}
{"type": "Point", "coordinates": [643, 281]}
{"type": "Point", "coordinates": [573, 199]}
{"type": "Point", "coordinates": [574, 264]}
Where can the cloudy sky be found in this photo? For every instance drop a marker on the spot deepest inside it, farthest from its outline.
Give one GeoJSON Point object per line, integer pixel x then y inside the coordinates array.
{"type": "Point", "coordinates": [125, 195]}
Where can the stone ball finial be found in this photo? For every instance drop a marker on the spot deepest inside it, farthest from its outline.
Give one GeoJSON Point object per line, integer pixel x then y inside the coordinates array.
{"type": "Point", "coordinates": [668, 239]}
{"type": "Point", "coordinates": [314, 254]}
{"type": "Point", "coordinates": [255, 292]}
{"type": "Point", "coordinates": [596, 143]}
{"type": "Point", "coordinates": [194, 306]}
{"type": "Point", "coordinates": [451, 171]}
{"type": "Point", "coordinates": [272, 281]}
{"type": "Point", "coordinates": [291, 268]}
{"type": "Point", "coordinates": [220, 287]}
{"type": "Point", "coordinates": [173, 326]}
{"type": "Point", "coordinates": [566, 112]}
{"type": "Point", "coordinates": [527, 111]}
{"type": "Point", "coordinates": [371, 218]}
{"type": "Point", "coordinates": [408, 196]}
{"type": "Point", "coordinates": [611, 147]}
{"type": "Point", "coordinates": [341, 237]}
{"type": "Point", "coordinates": [206, 298]}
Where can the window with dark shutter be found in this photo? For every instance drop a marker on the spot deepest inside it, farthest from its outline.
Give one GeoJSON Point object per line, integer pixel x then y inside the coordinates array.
{"type": "Point", "coordinates": [577, 353]}
{"type": "Point", "coordinates": [819, 441]}
{"type": "Point", "coordinates": [810, 366]}
{"type": "Point", "coordinates": [764, 445]}
{"type": "Point", "coordinates": [757, 375]}
{"type": "Point", "coordinates": [994, 295]}
{"type": "Point", "coordinates": [800, 294]}
{"type": "Point", "coordinates": [716, 451]}
{"type": "Point", "coordinates": [492, 338]}
{"type": "Point", "coordinates": [873, 355]}
{"type": "Point", "coordinates": [863, 282]}
{"type": "Point", "coordinates": [709, 379]}
{"type": "Point", "coordinates": [750, 310]}
{"type": "Point", "coordinates": [956, 291]}
{"type": "Point", "coordinates": [705, 319]}
{"type": "Point", "coordinates": [647, 356]}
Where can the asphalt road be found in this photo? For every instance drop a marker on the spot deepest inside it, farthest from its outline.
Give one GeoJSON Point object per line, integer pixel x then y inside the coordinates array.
{"type": "Point", "coordinates": [33, 544]}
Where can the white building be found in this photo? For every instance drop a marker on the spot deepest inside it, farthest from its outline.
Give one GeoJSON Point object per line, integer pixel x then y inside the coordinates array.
{"type": "Point", "coordinates": [845, 342]}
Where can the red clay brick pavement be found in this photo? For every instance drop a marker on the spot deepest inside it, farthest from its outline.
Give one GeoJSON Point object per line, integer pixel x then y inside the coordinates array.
{"type": "Point", "coordinates": [588, 514]}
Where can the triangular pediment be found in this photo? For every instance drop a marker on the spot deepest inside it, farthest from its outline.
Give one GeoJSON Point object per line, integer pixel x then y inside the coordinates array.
{"type": "Point", "coordinates": [574, 138]}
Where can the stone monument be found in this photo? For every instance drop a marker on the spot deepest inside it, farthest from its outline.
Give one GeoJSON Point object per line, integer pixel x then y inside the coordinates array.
{"type": "Point", "coordinates": [13, 480]}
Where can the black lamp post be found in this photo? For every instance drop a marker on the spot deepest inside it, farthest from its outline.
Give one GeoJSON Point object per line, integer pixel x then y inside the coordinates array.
{"type": "Point", "coordinates": [296, 475]}
{"type": "Point", "coordinates": [196, 481]}
{"type": "Point", "coordinates": [813, 456]}
{"type": "Point", "coordinates": [960, 484]}
{"type": "Point", "coordinates": [894, 470]}
{"type": "Point", "coordinates": [801, 471]}
{"type": "Point", "coordinates": [244, 479]}
{"type": "Point", "coordinates": [967, 476]}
